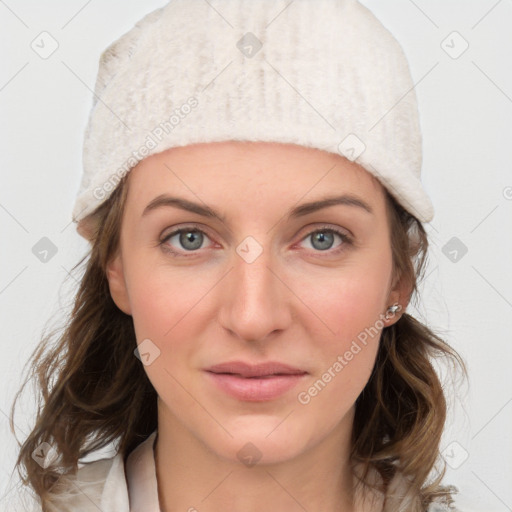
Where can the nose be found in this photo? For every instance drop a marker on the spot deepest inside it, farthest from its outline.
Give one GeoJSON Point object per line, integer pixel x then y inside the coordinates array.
{"type": "Point", "coordinates": [255, 299]}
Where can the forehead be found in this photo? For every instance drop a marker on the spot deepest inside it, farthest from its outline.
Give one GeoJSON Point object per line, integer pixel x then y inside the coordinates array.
{"type": "Point", "coordinates": [247, 159]}
{"type": "Point", "coordinates": [250, 172]}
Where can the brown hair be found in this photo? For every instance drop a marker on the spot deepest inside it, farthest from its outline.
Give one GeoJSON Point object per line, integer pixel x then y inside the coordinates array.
{"type": "Point", "coordinates": [401, 412]}
{"type": "Point", "coordinates": [92, 391]}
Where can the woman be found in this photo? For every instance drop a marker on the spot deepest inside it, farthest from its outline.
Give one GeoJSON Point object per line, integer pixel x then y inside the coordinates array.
{"type": "Point", "coordinates": [251, 193]}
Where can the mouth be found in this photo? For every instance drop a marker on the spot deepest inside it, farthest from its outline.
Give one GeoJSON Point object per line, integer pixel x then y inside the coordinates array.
{"type": "Point", "coordinates": [255, 383]}
{"type": "Point", "coordinates": [248, 371]}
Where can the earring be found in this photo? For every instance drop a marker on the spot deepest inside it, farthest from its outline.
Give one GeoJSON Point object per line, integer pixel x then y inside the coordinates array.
{"type": "Point", "coordinates": [394, 308]}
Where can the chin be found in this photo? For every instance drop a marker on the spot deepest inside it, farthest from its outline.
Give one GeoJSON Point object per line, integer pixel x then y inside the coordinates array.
{"type": "Point", "coordinates": [261, 440]}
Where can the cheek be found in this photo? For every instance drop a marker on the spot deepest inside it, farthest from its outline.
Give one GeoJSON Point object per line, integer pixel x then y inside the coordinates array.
{"type": "Point", "coordinates": [162, 298]}
{"type": "Point", "coordinates": [351, 303]}
{"type": "Point", "coordinates": [352, 299]}
{"type": "Point", "coordinates": [165, 310]}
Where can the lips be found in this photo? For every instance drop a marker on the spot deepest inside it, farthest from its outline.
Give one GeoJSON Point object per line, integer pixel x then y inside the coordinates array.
{"type": "Point", "coordinates": [259, 370]}
{"type": "Point", "coordinates": [254, 383]}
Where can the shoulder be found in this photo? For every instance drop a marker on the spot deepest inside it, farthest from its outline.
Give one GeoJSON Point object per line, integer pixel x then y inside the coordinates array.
{"type": "Point", "coordinates": [99, 485]}
{"type": "Point", "coordinates": [98, 470]}
{"type": "Point", "coordinates": [104, 485]}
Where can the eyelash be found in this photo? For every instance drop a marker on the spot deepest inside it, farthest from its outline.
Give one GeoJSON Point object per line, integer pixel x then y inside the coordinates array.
{"type": "Point", "coordinates": [346, 240]}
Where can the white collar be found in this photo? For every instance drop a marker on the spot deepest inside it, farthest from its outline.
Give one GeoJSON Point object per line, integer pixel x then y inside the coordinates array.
{"type": "Point", "coordinates": [142, 482]}
{"type": "Point", "coordinates": [141, 477]}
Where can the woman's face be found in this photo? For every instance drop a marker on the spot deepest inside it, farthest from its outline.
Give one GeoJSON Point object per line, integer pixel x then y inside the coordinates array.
{"type": "Point", "coordinates": [261, 273]}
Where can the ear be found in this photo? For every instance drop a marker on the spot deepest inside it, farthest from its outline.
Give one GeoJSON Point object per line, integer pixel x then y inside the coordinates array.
{"type": "Point", "coordinates": [399, 296]}
{"type": "Point", "coordinates": [86, 228]}
{"type": "Point", "coordinates": [117, 284]}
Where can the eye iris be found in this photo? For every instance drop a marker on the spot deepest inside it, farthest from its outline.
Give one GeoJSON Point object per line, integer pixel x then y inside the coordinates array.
{"type": "Point", "coordinates": [322, 240]}
{"type": "Point", "coordinates": [322, 237]}
{"type": "Point", "coordinates": [191, 236]}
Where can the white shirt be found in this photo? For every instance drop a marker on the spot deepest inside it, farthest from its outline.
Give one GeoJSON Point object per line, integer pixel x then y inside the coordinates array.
{"type": "Point", "coordinates": [109, 486]}
{"type": "Point", "coordinates": [141, 477]}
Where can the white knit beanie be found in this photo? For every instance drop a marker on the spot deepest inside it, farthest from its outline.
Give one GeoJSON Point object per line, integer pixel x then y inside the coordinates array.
{"type": "Point", "coordinates": [318, 73]}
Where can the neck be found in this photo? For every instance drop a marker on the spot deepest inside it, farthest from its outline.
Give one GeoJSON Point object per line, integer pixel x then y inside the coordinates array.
{"type": "Point", "coordinates": [193, 478]}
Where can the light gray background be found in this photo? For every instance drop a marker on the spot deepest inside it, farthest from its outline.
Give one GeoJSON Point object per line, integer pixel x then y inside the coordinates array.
{"type": "Point", "coordinates": [466, 116]}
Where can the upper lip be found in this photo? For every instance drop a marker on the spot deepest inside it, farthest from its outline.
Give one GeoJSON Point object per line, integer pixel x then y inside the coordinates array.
{"type": "Point", "coordinates": [255, 370]}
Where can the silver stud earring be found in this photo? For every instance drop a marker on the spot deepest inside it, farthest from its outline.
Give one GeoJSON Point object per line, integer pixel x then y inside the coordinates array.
{"type": "Point", "coordinates": [394, 308]}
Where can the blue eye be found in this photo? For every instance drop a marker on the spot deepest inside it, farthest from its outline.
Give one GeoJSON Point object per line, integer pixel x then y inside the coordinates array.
{"type": "Point", "coordinates": [324, 238]}
{"type": "Point", "coordinates": [190, 239]}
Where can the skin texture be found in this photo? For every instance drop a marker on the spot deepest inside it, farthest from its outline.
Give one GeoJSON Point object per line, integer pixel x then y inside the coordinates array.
{"type": "Point", "coordinates": [295, 303]}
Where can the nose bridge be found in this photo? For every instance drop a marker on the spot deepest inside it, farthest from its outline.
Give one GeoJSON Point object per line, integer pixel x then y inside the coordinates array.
{"type": "Point", "coordinates": [256, 304]}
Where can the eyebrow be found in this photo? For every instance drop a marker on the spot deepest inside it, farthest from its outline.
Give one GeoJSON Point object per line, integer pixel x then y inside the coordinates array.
{"type": "Point", "coordinates": [298, 211]}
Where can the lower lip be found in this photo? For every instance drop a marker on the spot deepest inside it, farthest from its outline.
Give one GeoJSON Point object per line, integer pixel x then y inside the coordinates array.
{"type": "Point", "coordinates": [256, 389]}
